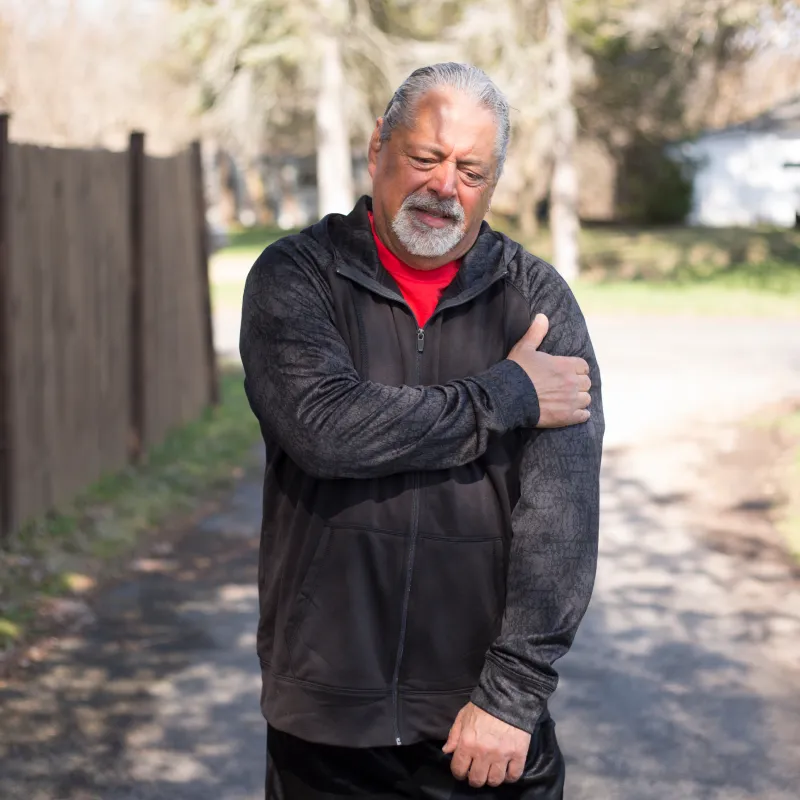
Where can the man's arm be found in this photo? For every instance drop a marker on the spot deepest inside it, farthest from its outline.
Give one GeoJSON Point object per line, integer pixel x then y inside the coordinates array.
{"type": "Point", "coordinates": [303, 387]}
{"type": "Point", "coordinates": [554, 547]}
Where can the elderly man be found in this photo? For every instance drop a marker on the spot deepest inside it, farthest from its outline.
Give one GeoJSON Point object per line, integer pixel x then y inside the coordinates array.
{"type": "Point", "coordinates": [429, 538]}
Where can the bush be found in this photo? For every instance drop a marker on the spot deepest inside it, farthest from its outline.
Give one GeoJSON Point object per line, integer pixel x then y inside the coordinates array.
{"type": "Point", "coordinates": [655, 189]}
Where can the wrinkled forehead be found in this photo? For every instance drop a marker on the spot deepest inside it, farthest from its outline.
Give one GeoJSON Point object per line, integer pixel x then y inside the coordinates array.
{"type": "Point", "coordinates": [453, 121]}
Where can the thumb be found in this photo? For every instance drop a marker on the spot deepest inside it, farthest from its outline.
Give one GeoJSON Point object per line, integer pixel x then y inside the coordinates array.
{"type": "Point", "coordinates": [455, 734]}
{"type": "Point", "coordinates": [538, 330]}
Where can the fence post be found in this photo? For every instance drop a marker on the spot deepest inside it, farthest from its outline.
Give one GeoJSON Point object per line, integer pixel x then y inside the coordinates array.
{"type": "Point", "coordinates": [136, 158]}
{"type": "Point", "coordinates": [203, 234]}
{"type": "Point", "coordinates": [6, 510]}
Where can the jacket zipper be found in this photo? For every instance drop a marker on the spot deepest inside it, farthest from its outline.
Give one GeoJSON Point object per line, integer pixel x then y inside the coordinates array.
{"type": "Point", "coordinates": [382, 291]}
{"type": "Point", "coordinates": [410, 568]}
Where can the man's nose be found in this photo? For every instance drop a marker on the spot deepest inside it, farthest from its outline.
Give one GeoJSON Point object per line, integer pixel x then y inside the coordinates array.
{"type": "Point", "coordinates": [443, 180]}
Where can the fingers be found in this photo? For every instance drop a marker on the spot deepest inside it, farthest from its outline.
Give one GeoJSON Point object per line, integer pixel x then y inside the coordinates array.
{"type": "Point", "coordinates": [497, 774]}
{"type": "Point", "coordinates": [584, 383]}
{"type": "Point", "coordinates": [580, 365]}
{"type": "Point", "coordinates": [515, 769]}
{"type": "Point", "coordinates": [538, 330]}
{"type": "Point", "coordinates": [461, 763]}
{"type": "Point", "coordinates": [454, 735]}
{"type": "Point", "coordinates": [479, 771]}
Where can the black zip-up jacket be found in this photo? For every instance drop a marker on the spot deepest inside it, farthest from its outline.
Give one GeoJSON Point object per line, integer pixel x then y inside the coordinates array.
{"type": "Point", "coordinates": [422, 543]}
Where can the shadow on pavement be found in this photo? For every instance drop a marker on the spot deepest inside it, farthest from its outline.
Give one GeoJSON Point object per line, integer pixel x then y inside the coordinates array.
{"type": "Point", "coordinates": [665, 694]}
{"type": "Point", "coordinates": [668, 692]}
{"type": "Point", "coordinates": [160, 696]}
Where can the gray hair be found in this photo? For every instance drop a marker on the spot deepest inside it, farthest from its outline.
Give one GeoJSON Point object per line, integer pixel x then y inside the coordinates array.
{"type": "Point", "coordinates": [463, 77]}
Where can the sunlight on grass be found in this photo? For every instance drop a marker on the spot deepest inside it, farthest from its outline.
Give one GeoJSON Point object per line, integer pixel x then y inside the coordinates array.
{"type": "Point", "coordinates": [666, 271]}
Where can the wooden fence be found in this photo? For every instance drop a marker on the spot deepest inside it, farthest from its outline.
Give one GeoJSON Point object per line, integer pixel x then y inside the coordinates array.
{"type": "Point", "coordinates": [105, 324]}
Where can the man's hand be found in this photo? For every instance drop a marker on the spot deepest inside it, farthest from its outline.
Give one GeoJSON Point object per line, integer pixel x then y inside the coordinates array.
{"type": "Point", "coordinates": [485, 748]}
{"type": "Point", "coordinates": [562, 383]}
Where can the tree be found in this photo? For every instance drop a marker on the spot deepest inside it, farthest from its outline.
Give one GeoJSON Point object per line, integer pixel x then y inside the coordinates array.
{"type": "Point", "coordinates": [305, 64]}
{"type": "Point", "coordinates": [334, 172]}
{"type": "Point", "coordinates": [525, 46]}
{"type": "Point", "coordinates": [49, 76]}
{"type": "Point", "coordinates": [564, 223]}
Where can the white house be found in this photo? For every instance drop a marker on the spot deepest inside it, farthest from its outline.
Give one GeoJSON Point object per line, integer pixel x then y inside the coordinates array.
{"type": "Point", "coordinates": [749, 174]}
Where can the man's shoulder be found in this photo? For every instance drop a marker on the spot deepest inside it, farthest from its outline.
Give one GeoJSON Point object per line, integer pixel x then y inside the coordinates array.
{"type": "Point", "coordinates": [533, 277]}
{"type": "Point", "coordinates": [301, 254]}
{"type": "Point", "coordinates": [309, 247]}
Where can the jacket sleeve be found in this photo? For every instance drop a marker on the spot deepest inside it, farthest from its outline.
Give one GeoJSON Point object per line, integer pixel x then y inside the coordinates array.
{"type": "Point", "coordinates": [306, 393]}
{"type": "Point", "coordinates": [553, 556]}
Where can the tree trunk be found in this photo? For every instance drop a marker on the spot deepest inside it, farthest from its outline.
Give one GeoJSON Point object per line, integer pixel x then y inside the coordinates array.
{"type": "Point", "coordinates": [334, 163]}
{"type": "Point", "coordinates": [528, 221]}
{"type": "Point", "coordinates": [564, 223]}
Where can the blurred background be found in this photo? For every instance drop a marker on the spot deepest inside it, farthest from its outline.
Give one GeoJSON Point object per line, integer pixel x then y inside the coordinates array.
{"type": "Point", "coordinates": [150, 149]}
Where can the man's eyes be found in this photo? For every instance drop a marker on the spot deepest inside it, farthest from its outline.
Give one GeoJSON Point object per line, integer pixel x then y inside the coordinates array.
{"type": "Point", "coordinates": [472, 177]}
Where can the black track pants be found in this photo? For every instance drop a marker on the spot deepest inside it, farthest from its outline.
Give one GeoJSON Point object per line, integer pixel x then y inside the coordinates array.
{"type": "Point", "coordinates": [299, 770]}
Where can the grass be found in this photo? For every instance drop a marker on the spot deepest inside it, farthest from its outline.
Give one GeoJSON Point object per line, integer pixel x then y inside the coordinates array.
{"type": "Point", "coordinates": [682, 270]}
{"type": "Point", "coordinates": [69, 550]}
{"type": "Point", "coordinates": [671, 270]}
{"type": "Point", "coordinates": [251, 241]}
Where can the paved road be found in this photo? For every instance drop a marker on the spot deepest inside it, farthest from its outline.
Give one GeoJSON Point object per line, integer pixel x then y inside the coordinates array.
{"type": "Point", "coordinates": [684, 681]}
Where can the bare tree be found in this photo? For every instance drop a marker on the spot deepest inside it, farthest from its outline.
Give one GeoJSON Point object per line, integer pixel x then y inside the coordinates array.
{"type": "Point", "coordinates": [564, 223]}
{"type": "Point", "coordinates": [334, 171]}
{"type": "Point", "coordinates": [71, 77]}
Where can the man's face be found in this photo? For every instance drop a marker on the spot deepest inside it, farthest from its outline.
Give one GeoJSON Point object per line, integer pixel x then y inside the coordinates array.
{"type": "Point", "coordinates": [432, 183]}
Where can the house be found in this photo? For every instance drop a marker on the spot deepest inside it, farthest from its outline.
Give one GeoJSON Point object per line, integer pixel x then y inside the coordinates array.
{"type": "Point", "coordinates": [748, 174]}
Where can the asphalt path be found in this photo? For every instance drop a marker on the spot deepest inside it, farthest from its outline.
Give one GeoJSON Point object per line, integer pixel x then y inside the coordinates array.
{"type": "Point", "coordinates": [684, 680]}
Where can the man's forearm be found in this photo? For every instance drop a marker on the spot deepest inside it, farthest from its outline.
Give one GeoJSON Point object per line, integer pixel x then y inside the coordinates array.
{"type": "Point", "coordinates": [303, 387]}
{"type": "Point", "coordinates": [553, 555]}
{"type": "Point", "coordinates": [551, 571]}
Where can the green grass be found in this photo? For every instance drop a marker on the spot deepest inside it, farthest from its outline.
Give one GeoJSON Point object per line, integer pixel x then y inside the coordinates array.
{"type": "Point", "coordinates": [67, 551]}
{"type": "Point", "coordinates": [713, 297]}
{"type": "Point", "coordinates": [671, 271]}
{"type": "Point", "coordinates": [682, 270]}
{"type": "Point", "coordinates": [251, 241]}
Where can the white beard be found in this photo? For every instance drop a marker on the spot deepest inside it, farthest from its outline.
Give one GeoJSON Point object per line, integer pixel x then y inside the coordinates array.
{"type": "Point", "coordinates": [422, 240]}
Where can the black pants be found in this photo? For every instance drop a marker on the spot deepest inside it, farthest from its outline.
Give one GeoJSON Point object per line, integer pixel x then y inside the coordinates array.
{"type": "Point", "coordinates": [300, 770]}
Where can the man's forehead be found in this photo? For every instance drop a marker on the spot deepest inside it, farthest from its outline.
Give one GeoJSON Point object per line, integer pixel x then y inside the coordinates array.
{"type": "Point", "coordinates": [447, 118]}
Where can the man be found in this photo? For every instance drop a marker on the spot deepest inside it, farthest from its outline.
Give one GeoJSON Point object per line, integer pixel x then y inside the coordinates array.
{"type": "Point", "coordinates": [429, 535]}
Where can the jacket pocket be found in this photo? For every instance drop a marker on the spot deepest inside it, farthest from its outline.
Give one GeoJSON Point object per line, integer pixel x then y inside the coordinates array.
{"type": "Point", "coordinates": [344, 627]}
{"type": "Point", "coordinates": [455, 612]}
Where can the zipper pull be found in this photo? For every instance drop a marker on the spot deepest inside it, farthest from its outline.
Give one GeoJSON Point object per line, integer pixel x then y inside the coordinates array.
{"type": "Point", "coordinates": [420, 340]}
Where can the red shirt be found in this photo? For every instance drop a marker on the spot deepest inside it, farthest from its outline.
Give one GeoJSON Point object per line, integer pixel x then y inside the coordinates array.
{"type": "Point", "coordinates": [421, 288]}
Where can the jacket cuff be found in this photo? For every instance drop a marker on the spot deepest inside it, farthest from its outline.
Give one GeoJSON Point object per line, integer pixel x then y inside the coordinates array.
{"type": "Point", "coordinates": [513, 394]}
{"type": "Point", "coordinates": [510, 697]}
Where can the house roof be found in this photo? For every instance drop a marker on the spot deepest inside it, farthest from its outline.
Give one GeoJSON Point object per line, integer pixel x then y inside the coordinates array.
{"type": "Point", "coordinates": [783, 118]}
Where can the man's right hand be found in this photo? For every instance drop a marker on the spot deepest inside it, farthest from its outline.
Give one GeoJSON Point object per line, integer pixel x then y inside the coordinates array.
{"type": "Point", "coordinates": [562, 383]}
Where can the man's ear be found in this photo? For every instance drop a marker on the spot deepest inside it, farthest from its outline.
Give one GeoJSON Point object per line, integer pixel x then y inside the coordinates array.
{"type": "Point", "coordinates": [375, 144]}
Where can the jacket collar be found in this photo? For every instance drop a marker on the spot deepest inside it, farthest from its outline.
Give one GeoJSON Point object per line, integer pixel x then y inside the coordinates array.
{"type": "Point", "coordinates": [352, 241]}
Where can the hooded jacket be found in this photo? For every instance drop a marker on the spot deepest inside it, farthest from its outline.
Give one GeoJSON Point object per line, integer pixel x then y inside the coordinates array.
{"type": "Point", "coordinates": [422, 543]}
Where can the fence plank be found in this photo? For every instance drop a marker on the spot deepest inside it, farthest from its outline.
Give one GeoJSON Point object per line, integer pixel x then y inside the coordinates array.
{"type": "Point", "coordinates": [138, 364]}
{"type": "Point", "coordinates": [6, 456]}
{"type": "Point", "coordinates": [202, 239]}
{"type": "Point", "coordinates": [103, 295]}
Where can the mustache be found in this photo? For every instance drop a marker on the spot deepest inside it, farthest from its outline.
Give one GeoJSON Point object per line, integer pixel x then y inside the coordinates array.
{"type": "Point", "coordinates": [449, 207]}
